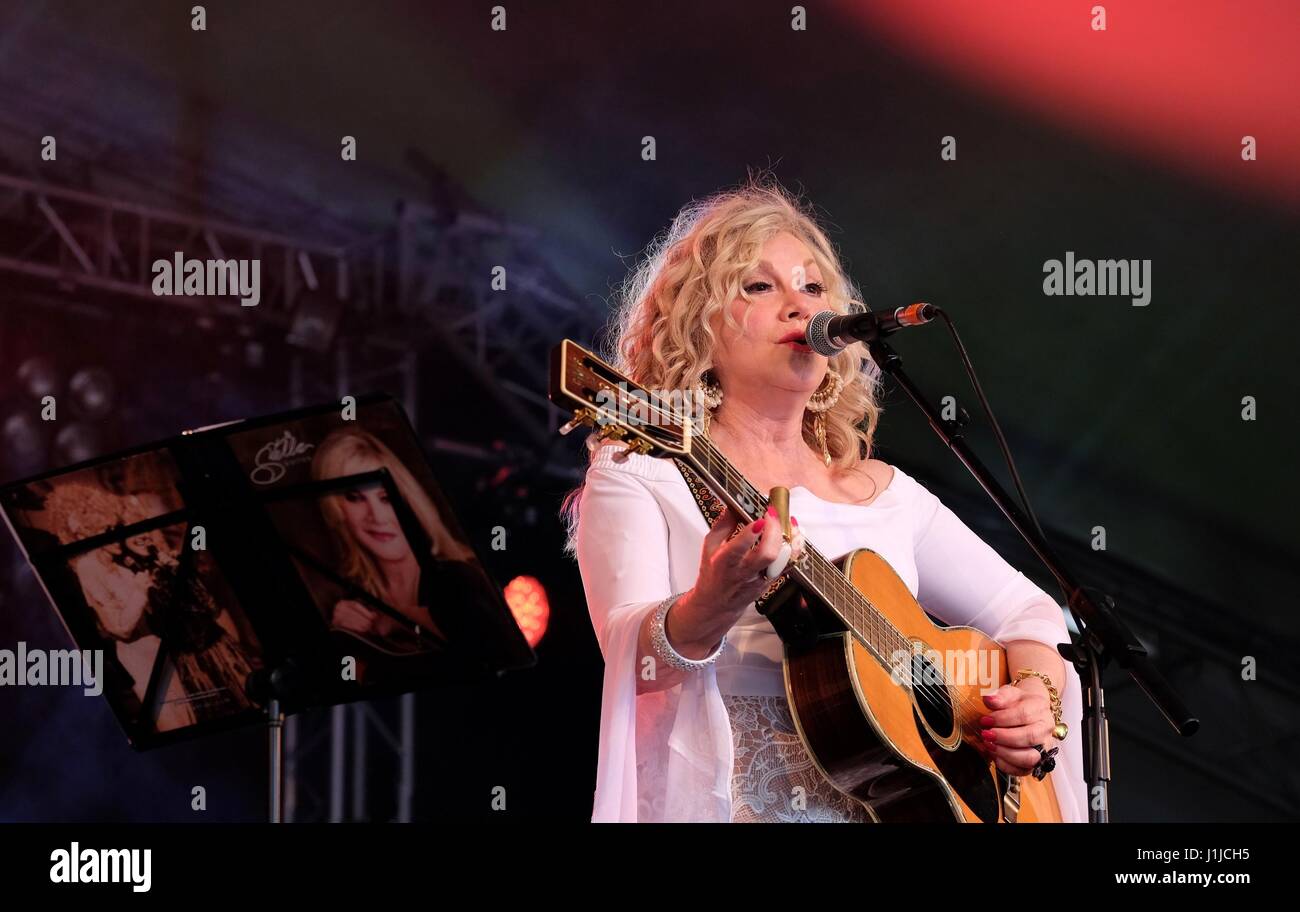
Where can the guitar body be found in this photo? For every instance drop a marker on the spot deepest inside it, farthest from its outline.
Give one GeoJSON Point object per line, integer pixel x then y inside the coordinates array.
{"type": "Point", "coordinates": [908, 753]}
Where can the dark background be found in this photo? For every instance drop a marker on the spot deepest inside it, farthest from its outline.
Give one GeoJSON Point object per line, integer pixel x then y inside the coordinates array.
{"type": "Point", "coordinates": [523, 148]}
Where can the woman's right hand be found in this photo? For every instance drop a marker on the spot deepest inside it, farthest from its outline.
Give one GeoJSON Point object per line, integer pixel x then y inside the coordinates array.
{"type": "Point", "coordinates": [732, 575]}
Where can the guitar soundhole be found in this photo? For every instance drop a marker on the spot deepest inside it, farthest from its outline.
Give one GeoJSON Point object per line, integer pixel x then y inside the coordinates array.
{"type": "Point", "coordinates": [932, 698]}
{"type": "Point", "coordinates": [964, 769]}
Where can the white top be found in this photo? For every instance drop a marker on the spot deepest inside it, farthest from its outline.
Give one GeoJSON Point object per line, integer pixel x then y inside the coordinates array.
{"type": "Point", "coordinates": [667, 755]}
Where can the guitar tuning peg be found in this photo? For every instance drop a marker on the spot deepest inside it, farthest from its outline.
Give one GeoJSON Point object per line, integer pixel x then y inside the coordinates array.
{"type": "Point", "coordinates": [633, 446]}
{"type": "Point", "coordinates": [580, 417]}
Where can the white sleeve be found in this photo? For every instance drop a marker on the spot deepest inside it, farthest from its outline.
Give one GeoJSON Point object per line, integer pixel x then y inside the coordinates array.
{"type": "Point", "coordinates": [962, 581]}
{"type": "Point", "coordinates": [622, 548]}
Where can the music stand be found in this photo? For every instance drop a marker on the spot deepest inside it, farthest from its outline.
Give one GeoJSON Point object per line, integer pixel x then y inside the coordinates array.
{"type": "Point", "coordinates": [241, 572]}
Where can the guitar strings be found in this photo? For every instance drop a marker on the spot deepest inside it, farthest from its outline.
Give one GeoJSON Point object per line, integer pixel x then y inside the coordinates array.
{"type": "Point", "coordinates": [850, 595]}
{"type": "Point", "coordinates": [833, 579]}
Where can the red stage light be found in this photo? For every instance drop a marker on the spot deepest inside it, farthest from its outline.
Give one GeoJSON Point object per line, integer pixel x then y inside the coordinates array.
{"type": "Point", "coordinates": [527, 600]}
{"type": "Point", "coordinates": [1180, 82]}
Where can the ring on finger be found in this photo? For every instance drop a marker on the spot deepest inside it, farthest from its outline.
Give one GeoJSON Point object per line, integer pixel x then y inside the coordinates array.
{"type": "Point", "coordinates": [1046, 761]}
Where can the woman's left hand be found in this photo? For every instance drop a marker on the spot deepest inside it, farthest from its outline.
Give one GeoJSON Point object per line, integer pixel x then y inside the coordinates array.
{"type": "Point", "coordinates": [1019, 717]}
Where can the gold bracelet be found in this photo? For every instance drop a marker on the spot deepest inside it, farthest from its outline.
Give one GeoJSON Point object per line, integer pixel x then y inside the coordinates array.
{"type": "Point", "coordinates": [1060, 730]}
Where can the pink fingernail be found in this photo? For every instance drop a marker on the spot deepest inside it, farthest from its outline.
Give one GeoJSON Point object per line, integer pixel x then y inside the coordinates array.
{"type": "Point", "coordinates": [758, 525]}
{"type": "Point", "coordinates": [793, 521]}
{"type": "Point", "coordinates": [771, 511]}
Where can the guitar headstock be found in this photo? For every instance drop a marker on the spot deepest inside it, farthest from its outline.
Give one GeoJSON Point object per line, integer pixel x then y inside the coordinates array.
{"type": "Point", "coordinates": [652, 422]}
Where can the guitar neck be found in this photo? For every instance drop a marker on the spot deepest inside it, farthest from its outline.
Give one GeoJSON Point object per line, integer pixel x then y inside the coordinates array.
{"type": "Point", "coordinates": [814, 572]}
{"type": "Point", "coordinates": [600, 395]}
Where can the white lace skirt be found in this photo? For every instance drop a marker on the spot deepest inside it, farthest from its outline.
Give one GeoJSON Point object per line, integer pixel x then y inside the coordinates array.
{"type": "Point", "coordinates": [774, 779]}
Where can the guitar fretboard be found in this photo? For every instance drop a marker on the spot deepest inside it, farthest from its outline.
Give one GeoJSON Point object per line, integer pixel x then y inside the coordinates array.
{"type": "Point", "coordinates": [871, 628]}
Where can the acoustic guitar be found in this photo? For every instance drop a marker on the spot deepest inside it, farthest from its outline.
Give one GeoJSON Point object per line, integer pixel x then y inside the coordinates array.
{"type": "Point", "coordinates": [886, 701]}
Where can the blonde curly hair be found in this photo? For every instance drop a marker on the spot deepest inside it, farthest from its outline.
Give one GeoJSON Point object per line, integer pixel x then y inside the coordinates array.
{"type": "Point", "coordinates": [662, 334]}
{"type": "Point", "coordinates": [344, 452]}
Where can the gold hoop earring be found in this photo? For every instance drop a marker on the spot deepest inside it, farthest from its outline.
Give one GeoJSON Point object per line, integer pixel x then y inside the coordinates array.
{"type": "Point", "coordinates": [819, 404]}
{"type": "Point", "coordinates": [827, 394]}
{"type": "Point", "coordinates": [709, 394]}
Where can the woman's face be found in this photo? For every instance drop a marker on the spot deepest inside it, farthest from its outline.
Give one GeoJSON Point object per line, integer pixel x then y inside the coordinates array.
{"type": "Point", "coordinates": [786, 289]}
{"type": "Point", "coordinates": [371, 518]}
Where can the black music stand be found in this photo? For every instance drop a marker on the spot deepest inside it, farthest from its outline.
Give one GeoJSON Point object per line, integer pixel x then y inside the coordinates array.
{"type": "Point", "coordinates": [293, 513]}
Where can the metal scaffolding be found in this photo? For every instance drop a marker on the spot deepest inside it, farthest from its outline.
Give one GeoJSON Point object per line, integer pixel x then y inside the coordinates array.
{"type": "Point", "coordinates": [88, 241]}
{"type": "Point", "coordinates": [423, 284]}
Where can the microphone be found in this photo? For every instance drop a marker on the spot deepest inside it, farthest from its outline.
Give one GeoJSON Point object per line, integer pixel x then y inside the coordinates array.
{"type": "Point", "coordinates": [830, 333]}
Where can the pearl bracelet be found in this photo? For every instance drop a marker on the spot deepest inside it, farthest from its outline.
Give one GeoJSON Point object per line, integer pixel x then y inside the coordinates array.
{"type": "Point", "coordinates": [664, 650]}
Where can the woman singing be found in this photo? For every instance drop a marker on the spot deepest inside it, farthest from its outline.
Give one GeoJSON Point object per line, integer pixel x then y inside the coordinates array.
{"type": "Point", "coordinates": [716, 308]}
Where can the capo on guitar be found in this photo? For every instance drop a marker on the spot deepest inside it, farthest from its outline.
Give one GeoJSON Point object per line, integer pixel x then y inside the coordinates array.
{"type": "Point", "coordinates": [779, 500]}
{"type": "Point", "coordinates": [792, 551]}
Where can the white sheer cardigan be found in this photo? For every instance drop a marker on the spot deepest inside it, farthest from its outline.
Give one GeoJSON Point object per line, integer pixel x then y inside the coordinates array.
{"type": "Point", "coordinates": [668, 755]}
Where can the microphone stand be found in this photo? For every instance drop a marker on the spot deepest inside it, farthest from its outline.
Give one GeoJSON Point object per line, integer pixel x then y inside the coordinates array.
{"type": "Point", "coordinates": [1102, 633]}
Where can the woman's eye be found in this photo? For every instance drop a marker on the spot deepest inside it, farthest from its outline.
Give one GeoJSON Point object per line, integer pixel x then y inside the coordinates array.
{"type": "Point", "coordinates": [814, 288]}
{"type": "Point", "coordinates": [352, 496]}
